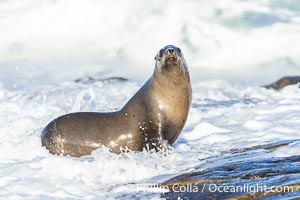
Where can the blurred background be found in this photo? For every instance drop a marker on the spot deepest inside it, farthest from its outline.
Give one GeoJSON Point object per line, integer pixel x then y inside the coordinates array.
{"type": "Point", "coordinates": [249, 42]}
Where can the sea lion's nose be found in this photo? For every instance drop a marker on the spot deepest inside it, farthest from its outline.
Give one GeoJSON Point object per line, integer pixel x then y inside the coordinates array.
{"type": "Point", "coordinates": [171, 51]}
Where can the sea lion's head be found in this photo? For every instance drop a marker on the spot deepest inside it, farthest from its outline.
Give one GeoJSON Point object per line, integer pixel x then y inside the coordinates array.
{"type": "Point", "coordinates": [170, 60]}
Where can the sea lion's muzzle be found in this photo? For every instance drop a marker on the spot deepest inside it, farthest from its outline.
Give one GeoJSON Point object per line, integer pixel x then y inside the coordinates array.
{"type": "Point", "coordinates": [170, 56]}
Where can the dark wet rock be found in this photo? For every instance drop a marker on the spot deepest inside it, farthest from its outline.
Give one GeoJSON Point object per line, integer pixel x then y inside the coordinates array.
{"type": "Point", "coordinates": [252, 174]}
{"type": "Point", "coordinates": [91, 80]}
{"type": "Point", "coordinates": [271, 146]}
{"type": "Point", "coordinates": [285, 81]}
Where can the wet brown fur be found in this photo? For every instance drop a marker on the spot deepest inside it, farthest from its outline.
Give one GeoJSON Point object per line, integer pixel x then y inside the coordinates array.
{"type": "Point", "coordinates": [154, 116]}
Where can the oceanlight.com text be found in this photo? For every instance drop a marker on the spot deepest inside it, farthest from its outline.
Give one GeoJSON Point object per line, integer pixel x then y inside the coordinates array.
{"type": "Point", "coordinates": [212, 188]}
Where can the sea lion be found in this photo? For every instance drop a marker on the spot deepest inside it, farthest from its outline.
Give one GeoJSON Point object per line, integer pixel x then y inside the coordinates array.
{"type": "Point", "coordinates": [152, 118]}
{"type": "Point", "coordinates": [285, 81]}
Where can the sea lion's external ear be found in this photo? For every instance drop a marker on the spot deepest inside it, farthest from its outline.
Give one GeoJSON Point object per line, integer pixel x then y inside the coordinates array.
{"type": "Point", "coordinates": [159, 54]}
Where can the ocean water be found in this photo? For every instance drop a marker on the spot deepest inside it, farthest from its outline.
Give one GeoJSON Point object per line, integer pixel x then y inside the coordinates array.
{"type": "Point", "coordinates": [232, 48]}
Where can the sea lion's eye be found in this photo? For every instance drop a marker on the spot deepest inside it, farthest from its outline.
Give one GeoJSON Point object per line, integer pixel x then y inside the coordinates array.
{"type": "Point", "coordinates": [179, 50]}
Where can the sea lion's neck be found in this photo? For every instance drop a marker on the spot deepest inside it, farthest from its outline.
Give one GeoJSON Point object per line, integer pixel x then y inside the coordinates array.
{"type": "Point", "coordinates": [173, 90]}
{"type": "Point", "coordinates": [174, 79]}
